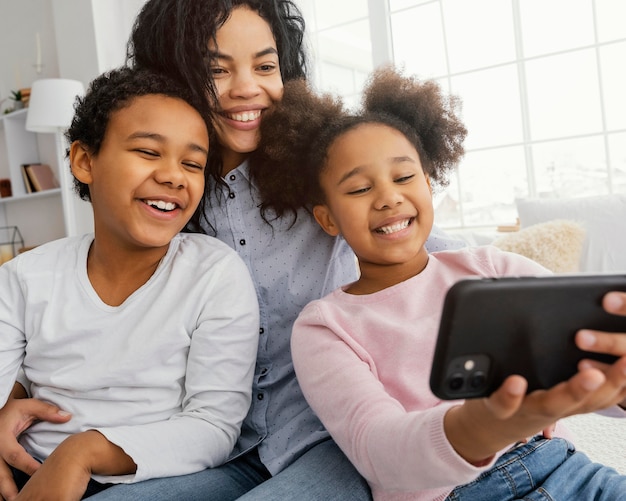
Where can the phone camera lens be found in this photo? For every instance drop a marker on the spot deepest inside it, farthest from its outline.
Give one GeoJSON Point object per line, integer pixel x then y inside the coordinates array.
{"type": "Point", "coordinates": [476, 380]}
{"type": "Point", "coordinates": [455, 382]}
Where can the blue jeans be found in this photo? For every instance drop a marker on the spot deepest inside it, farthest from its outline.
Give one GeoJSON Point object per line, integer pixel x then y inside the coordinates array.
{"type": "Point", "coordinates": [544, 470]}
{"type": "Point", "coordinates": [323, 472]}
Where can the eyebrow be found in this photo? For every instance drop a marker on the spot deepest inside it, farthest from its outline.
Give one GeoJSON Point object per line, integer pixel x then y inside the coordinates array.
{"type": "Point", "coordinates": [261, 53]}
{"type": "Point", "coordinates": [357, 170]}
{"type": "Point", "coordinates": [161, 139]}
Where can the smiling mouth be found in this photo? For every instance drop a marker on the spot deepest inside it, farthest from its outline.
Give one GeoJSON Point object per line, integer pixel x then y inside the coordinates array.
{"type": "Point", "coordinates": [394, 228]}
{"type": "Point", "coordinates": [247, 116]}
{"type": "Point", "coordinates": [161, 205]}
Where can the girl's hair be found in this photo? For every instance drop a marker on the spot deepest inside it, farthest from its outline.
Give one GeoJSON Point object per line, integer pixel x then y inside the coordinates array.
{"type": "Point", "coordinates": [172, 37]}
{"type": "Point", "coordinates": [297, 133]}
{"type": "Point", "coordinates": [113, 91]}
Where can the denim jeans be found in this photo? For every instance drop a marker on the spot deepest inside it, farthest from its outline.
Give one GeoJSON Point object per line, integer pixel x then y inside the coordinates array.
{"type": "Point", "coordinates": [544, 470]}
{"type": "Point", "coordinates": [322, 473]}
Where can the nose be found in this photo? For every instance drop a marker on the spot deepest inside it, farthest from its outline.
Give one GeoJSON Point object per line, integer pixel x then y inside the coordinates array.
{"type": "Point", "coordinates": [388, 197]}
{"type": "Point", "coordinates": [172, 173]}
{"type": "Point", "coordinates": [244, 85]}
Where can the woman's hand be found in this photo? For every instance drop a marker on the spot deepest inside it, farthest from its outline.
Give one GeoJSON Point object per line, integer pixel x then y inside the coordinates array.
{"type": "Point", "coordinates": [17, 415]}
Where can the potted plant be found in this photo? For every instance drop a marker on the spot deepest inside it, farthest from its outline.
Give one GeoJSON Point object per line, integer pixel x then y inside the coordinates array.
{"type": "Point", "coordinates": [16, 95]}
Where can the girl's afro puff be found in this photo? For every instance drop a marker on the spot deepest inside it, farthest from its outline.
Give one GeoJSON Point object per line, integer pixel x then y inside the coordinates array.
{"type": "Point", "coordinates": [298, 132]}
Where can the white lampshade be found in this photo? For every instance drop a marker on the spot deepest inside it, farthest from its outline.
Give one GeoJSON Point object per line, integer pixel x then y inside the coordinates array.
{"type": "Point", "coordinates": [51, 104]}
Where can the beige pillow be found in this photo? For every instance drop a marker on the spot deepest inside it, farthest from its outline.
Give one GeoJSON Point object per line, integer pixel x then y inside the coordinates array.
{"type": "Point", "coordinates": [556, 245]}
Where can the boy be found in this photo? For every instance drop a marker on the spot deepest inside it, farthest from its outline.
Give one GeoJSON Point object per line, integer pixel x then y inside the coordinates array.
{"type": "Point", "coordinates": [147, 337]}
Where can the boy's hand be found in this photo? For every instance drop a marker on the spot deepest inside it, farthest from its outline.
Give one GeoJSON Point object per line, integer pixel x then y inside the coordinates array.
{"type": "Point", "coordinates": [16, 416]}
{"type": "Point", "coordinates": [65, 474]}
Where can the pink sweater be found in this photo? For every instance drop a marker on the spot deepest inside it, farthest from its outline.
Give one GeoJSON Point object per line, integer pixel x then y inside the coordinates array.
{"type": "Point", "coordinates": [364, 363]}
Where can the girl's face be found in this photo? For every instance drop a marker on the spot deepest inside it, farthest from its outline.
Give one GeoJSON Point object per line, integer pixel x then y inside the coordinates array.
{"type": "Point", "coordinates": [248, 81]}
{"type": "Point", "coordinates": [377, 196]}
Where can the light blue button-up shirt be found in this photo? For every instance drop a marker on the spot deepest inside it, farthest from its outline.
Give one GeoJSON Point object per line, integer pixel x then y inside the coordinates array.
{"type": "Point", "coordinates": [290, 266]}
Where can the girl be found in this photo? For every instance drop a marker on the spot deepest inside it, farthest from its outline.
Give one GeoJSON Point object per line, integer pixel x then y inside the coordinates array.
{"type": "Point", "coordinates": [362, 354]}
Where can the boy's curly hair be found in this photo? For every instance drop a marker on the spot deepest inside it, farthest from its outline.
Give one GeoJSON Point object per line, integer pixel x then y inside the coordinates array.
{"type": "Point", "coordinates": [113, 91]}
{"type": "Point", "coordinates": [298, 132]}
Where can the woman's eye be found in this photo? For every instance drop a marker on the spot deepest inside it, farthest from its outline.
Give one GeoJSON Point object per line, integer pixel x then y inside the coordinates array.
{"type": "Point", "coordinates": [266, 68]}
{"type": "Point", "coordinates": [217, 71]}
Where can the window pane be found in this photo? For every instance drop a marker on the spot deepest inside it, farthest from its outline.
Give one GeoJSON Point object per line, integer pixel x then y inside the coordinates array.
{"type": "Point", "coordinates": [333, 13]}
{"type": "Point", "coordinates": [563, 95]}
{"type": "Point", "coordinates": [617, 148]}
{"type": "Point", "coordinates": [395, 5]}
{"type": "Point", "coordinates": [417, 37]}
{"type": "Point", "coordinates": [612, 60]}
{"type": "Point", "coordinates": [490, 106]}
{"type": "Point", "coordinates": [554, 25]}
{"type": "Point", "coordinates": [611, 15]}
{"type": "Point", "coordinates": [344, 56]}
{"type": "Point", "coordinates": [446, 204]}
{"type": "Point", "coordinates": [571, 168]}
{"type": "Point", "coordinates": [470, 33]}
{"type": "Point", "coordinates": [491, 180]}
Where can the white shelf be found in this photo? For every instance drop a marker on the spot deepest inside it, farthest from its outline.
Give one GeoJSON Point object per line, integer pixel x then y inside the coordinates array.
{"type": "Point", "coordinates": [39, 215]}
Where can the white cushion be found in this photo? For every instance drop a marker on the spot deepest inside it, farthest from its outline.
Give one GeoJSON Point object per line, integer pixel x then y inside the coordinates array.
{"type": "Point", "coordinates": [556, 245]}
{"type": "Point", "coordinates": [604, 218]}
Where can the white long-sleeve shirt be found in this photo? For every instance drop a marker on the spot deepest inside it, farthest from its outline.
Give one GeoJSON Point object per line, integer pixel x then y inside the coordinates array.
{"type": "Point", "coordinates": [166, 375]}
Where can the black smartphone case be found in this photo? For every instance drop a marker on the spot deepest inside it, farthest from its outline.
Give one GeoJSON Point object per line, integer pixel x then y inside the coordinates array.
{"type": "Point", "coordinates": [494, 327]}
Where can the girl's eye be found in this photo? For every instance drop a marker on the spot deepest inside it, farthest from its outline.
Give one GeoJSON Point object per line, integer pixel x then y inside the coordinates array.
{"type": "Point", "coordinates": [150, 153]}
{"type": "Point", "coordinates": [404, 179]}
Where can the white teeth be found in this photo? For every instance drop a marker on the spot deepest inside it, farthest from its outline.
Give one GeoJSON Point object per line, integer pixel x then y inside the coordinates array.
{"type": "Point", "coordinates": [387, 230]}
{"type": "Point", "coordinates": [245, 117]}
{"type": "Point", "coordinates": [160, 204]}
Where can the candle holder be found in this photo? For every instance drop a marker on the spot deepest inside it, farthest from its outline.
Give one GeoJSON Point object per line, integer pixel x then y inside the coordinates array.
{"type": "Point", "coordinates": [11, 242]}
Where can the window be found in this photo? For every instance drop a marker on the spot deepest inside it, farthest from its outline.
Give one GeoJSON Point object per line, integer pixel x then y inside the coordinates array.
{"type": "Point", "coordinates": [541, 82]}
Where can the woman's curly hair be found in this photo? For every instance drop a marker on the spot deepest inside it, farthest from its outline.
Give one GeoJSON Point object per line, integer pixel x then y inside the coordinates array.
{"type": "Point", "coordinates": [298, 132]}
{"type": "Point", "coordinates": [113, 91]}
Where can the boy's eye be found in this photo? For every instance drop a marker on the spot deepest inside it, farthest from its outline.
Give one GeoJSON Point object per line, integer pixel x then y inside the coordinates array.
{"type": "Point", "coordinates": [359, 191]}
{"type": "Point", "coordinates": [194, 165]}
{"type": "Point", "coordinates": [267, 67]}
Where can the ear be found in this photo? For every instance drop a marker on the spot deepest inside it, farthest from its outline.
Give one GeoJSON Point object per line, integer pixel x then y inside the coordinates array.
{"type": "Point", "coordinates": [80, 162]}
{"type": "Point", "coordinates": [324, 218]}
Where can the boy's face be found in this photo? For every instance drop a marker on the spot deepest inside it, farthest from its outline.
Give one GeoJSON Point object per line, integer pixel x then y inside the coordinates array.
{"type": "Point", "coordinates": [148, 177]}
{"type": "Point", "coordinates": [377, 195]}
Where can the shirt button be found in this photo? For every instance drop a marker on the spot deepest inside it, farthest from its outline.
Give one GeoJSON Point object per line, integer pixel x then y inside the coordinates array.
{"type": "Point", "coordinates": [233, 177]}
{"type": "Point", "coordinates": [260, 396]}
{"type": "Point", "coordinates": [242, 242]}
{"type": "Point", "coordinates": [231, 195]}
{"type": "Point", "coordinates": [261, 330]}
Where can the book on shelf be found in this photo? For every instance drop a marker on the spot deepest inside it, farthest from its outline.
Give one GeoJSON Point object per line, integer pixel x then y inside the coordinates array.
{"type": "Point", "coordinates": [38, 177]}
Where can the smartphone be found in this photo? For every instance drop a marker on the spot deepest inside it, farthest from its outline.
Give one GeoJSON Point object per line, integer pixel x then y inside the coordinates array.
{"type": "Point", "coordinates": [493, 327]}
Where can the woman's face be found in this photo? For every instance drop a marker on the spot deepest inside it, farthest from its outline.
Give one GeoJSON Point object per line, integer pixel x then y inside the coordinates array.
{"type": "Point", "coordinates": [247, 77]}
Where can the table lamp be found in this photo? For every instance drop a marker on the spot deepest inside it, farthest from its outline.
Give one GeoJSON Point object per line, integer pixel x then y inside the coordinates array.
{"type": "Point", "coordinates": [50, 110]}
